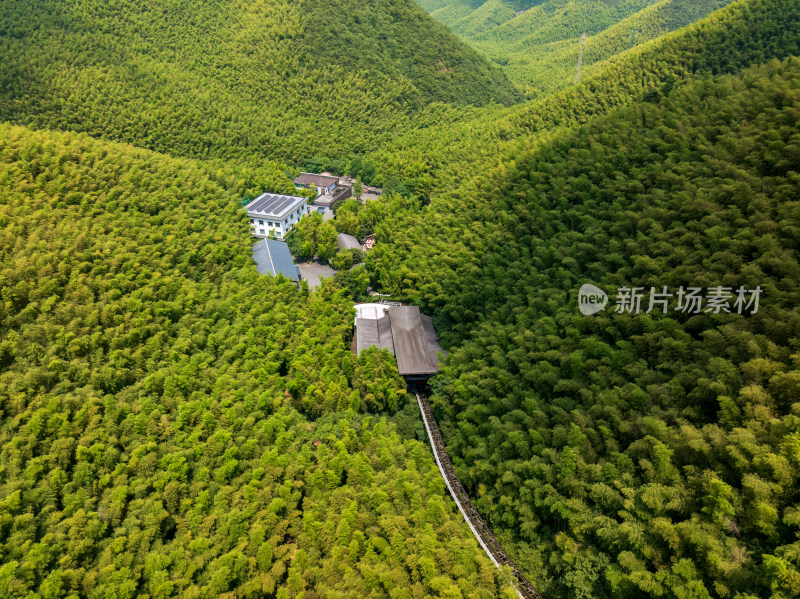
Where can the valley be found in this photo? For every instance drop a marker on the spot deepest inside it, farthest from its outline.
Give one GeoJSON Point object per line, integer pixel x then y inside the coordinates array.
{"type": "Point", "coordinates": [177, 420]}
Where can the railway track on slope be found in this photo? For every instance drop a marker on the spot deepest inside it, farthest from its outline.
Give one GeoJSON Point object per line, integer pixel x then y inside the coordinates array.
{"type": "Point", "coordinates": [485, 537]}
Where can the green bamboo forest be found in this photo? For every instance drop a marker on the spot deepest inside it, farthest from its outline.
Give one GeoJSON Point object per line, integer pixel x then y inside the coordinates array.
{"type": "Point", "coordinates": [537, 42]}
{"type": "Point", "coordinates": [174, 423]}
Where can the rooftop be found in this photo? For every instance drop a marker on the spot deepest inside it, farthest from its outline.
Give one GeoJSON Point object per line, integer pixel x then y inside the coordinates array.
{"type": "Point", "coordinates": [317, 180]}
{"type": "Point", "coordinates": [404, 331]}
{"type": "Point", "coordinates": [272, 205]}
{"type": "Point", "coordinates": [371, 311]}
{"type": "Point", "coordinates": [413, 347]}
{"type": "Point", "coordinates": [273, 257]}
{"type": "Point", "coordinates": [371, 331]}
{"type": "Point", "coordinates": [348, 242]}
{"type": "Point", "coordinates": [347, 180]}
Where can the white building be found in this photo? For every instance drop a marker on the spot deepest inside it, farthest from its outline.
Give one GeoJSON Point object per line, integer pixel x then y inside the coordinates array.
{"type": "Point", "coordinates": [275, 213]}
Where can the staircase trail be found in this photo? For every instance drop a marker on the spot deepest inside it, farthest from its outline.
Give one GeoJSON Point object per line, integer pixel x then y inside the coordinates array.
{"type": "Point", "coordinates": [471, 515]}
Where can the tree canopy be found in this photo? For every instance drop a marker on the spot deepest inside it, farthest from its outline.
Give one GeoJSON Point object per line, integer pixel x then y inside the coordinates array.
{"type": "Point", "coordinates": [174, 423]}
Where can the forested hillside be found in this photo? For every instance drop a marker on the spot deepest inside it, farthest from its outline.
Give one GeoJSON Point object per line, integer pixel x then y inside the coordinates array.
{"type": "Point", "coordinates": [455, 149]}
{"type": "Point", "coordinates": [619, 455]}
{"type": "Point", "coordinates": [643, 454]}
{"type": "Point", "coordinates": [538, 42]}
{"type": "Point", "coordinates": [174, 424]}
{"type": "Point", "coordinates": [157, 397]}
{"type": "Point", "coordinates": [280, 80]}
{"type": "Point", "coordinates": [540, 66]}
{"type": "Point", "coordinates": [631, 455]}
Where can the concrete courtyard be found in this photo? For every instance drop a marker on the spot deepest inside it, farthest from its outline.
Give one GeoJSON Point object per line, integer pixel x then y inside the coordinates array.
{"type": "Point", "coordinates": [314, 271]}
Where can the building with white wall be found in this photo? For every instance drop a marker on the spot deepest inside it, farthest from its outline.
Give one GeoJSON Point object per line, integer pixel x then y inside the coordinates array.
{"type": "Point", "coordinates": [324, 184]}
{"type": "Point", "coordinates": [275, 214]}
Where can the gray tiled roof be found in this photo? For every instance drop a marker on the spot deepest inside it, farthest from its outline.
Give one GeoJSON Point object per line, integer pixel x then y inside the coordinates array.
{"type": "Point", "coordinates": [371, 332]}
{"type": "Point", "coordinates": [412, 345]}
{"type": "Point", "coordinates": [317, 180]}
{"type": "Point", "coordinates": [272, 256]}
{"type": "Point", "coordinates": [405, 332]}
{"type": "Point", "coordinates": [272, 205]}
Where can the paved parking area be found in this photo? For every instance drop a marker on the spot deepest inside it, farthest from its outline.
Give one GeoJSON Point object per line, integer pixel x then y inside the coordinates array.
{"type": "Point", "coordinates": [314, 271]}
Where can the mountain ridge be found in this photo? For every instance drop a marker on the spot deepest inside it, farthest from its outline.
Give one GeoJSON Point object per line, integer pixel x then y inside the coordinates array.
{"type": "Point", "coordinates": [538, 43]}
{"type": "Point", "coordinates": [232, 80]}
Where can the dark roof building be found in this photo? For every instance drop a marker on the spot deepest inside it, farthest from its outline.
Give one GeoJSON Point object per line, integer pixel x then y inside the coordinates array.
{"type": "Point", "coordinates": [371, 333]}
{"type": "Point", "coordinates": [331, 197]}
{"type": "Point", "coordinates": [405, 332]}
{"type": "Point", "coordinates": [319, 181]}
{"type": "Point", "coordinates": [414, 348]}
{"type": "Point", "coordinates": [273, 257]}
{"type": "Point", "coordinates": [368, 189]}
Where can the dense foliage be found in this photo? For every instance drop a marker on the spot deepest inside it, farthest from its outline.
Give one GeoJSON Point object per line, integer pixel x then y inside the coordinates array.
{"type": "Point", "coordinates": [313, 238]}
{"type": "Point", "coordinates": [456, 150]}
{"type": "Point", "coordinates": [150, 381]}
{"type": "Point", "coordinates": [278, 79]}
{"type": "Point", "coordinates": [538, 42]}
{"type": "Point", "coordinates": [173, 423]}
{"type": "Point", "coordinates": [395, 40]}
{"type": "Point", "coordinates": [621, 455]}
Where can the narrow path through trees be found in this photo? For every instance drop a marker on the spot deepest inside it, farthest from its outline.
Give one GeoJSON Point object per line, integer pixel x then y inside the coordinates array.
{"type": "Point", "coordinates": [479, 529]}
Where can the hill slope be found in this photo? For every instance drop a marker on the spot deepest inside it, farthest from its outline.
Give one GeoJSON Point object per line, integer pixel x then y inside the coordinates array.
{"type": "Point", "coordinates": [630, 455]}
{"type": "Point", "coordinates": [614, 446]}
{"type": "Point", "coordinates": [627, 455]}
{"type": "Point", "coordinates": [284, 80]}
{"type": "Point", "coordinates": [173, 423]}
{"type": "Point", "coordinates": [456, 147]}
{"type": "Point", "coordinates": [538, 43]}
{"type": "Point", "coordinates": [150, 382]}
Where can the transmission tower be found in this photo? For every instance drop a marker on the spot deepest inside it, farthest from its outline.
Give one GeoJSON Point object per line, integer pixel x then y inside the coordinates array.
{"type": "Point", "coordinates": [634, 31]}
{"type": "Point", "coordinates": [580, 59]}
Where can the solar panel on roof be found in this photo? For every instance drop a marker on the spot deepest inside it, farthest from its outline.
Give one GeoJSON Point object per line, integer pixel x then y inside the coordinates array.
{"type": "Point", "coordinates": [274, 205]}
